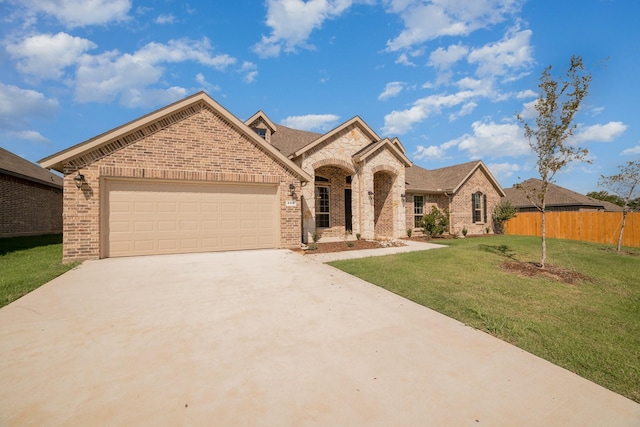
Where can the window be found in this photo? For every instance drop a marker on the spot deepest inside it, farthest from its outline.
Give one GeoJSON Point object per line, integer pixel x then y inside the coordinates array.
{"type": "Point", "coordinates": [479, 207]}
{"type": "Point", "coordinates": [261, 132]}
{"type": "Point", "coordinates": [322, 207]}
{"type": "Point", "coordinates": [418, 210]}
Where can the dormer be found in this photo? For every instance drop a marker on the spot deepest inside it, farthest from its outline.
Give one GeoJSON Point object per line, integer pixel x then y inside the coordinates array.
{"type": "Point", "coordinates": [262, 125]}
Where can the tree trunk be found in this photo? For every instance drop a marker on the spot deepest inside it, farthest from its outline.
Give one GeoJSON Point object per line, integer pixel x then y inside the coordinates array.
{"type": "Point", "coordinates": [624, 219]}
{"type": "Point", "coordinates": [544, 241]}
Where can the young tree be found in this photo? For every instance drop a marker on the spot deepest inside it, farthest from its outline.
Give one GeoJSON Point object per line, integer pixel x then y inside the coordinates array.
{"type": "Point", "coordinates": [558, 102]}
{"type": "Point", "coordinates": [625, 185]}
{"type": "Point", "coordinates": [503, 212]}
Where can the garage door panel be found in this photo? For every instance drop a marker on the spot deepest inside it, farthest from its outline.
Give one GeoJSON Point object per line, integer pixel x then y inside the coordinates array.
{"type": "Point", "coordinates": [147, 217]}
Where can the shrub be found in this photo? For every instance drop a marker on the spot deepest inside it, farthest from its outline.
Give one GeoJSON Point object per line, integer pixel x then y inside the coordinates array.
{"type": "Point", "coordinates": [435, 222]}
{"type": "Point", "coordinates": [409, 231]}
{"type": "Point", "coordinates": [464, 231]}
{"type": "Point", "coordinates": [315, 236]}
{"type": "Point", "coordinates": [350, 244]}
{"type": "Point", "coordinates": [503, 212]}
{"type": "Point", "coordinates": [358, 236]}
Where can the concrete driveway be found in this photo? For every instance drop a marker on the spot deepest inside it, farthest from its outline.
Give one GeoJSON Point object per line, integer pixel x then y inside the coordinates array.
{"type": "Point", "coordinates": [266, 338]}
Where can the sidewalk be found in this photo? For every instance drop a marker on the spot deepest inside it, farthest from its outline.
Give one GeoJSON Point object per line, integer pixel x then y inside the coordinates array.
{"type": "Point", "coordinates": [411, 246]}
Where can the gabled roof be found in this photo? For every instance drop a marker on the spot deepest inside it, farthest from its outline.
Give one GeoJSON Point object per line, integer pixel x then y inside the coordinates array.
{"type": "Point", "coordinates": [446, 180]}
{"type": "Point", "coordinates": [374, 146]}
{"type": "Point", "coordinates": [354, 121]}
{"type": "Point", "coordinates": [56, 161]}
{"type": "Point", "coordinates": [14, 165]}
{"type": "Point", "coordinates": [556, 196]}
{"type": "Point", "coordinates": [261, 115]}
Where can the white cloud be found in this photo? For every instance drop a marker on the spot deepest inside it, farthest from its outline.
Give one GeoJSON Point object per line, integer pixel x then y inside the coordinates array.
{"type": "Point", "coordinates": [445, 58]}
{"type": "Point", "coordinates": [431, 152]}
{"type": "Point", "coordinates": [165, 19]}
{"type": "Point", "coordinates": [391, 89]}
{"type": "Point", "coordinates": [632, 150]}
{"type": "Point", "coordinates": [26, 135]}
{"type": "Point", "coordinates": [404, 60]}
{"type": "Point", "coordinates": [599, 133]}
{"type": "Point", "coordinates": [311, 122]}
{"type": "Point", "coordinates": [513, 52]}
{"type": "Point", "coordinates": [134, 98]}
{"type": "Point", "coordinates": [503, 171]}
{"type": "Point", "coordinates": [18, 106]}
{"type": "Point", "coordinates": [526, 94]}
{"type": "Point", "coordinates": [105, 77]}
{"type": "Point", "coordinates": [491, 140]}
{"type": "Point", "coordinates": [292, 21]}
{"type": "Point", "coordinates": [400, 122]}
{"type": "Point", "coordinates": [205, 84]}
{"type": "Point", "coordinates": [79, 13]}
{"type": "Point", "coordinates": [46, 56]}
{"type": "Point", "coordinates": [250, 71]}
{"type": "Point", "coordinates": [424, 21]}
{"type": "Point", "coordinates": [466, 109]}
{"type": "Point", "coordinates": [529, 111]}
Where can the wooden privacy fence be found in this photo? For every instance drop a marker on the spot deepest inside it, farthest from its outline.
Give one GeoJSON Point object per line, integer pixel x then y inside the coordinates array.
{"type": "Point", "coordinates": [599, 227]}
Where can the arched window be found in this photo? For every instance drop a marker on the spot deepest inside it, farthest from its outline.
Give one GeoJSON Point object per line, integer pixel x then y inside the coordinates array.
{"type": "Point", "coordinates": [479, 207]}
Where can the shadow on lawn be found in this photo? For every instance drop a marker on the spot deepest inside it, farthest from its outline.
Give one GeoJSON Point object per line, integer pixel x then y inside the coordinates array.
{"type": "Point", "coordinates": [12, 244]}
{"type": "Point", "coordinates": [502, 250]}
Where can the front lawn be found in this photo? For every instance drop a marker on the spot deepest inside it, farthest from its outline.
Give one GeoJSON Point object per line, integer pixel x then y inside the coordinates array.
{"type": "Point", "coordinates": [27, 263]}
{"type": "Point", "coordinates": [590, 327]}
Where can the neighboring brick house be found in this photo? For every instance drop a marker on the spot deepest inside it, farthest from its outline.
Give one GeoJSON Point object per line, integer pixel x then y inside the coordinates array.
{"type": "Point", "coordinates": [191, 177]}
{"type": "Point", "coordinates": [30, 198]}
{"type": "Point", "coordinates": [558, 199]}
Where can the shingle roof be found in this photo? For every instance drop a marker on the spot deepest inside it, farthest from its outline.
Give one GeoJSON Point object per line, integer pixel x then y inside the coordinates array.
{"type": "Point", "coordinates": [14, 165]}
{"type": "Point", "coordinates": [288, 140]}
{"type": "Point", "coordinates": [556, 196]}
{"type": "Point", "coordinates": [445, 179]}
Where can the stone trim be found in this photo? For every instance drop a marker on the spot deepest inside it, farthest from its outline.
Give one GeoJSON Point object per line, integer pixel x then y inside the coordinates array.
{"type": "Point", "coordinates": [385, 168]}
{"type": "Point", "coordinates": [334, 162]}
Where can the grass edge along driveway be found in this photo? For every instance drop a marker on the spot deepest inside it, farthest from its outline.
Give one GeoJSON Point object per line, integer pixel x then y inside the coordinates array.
{"type": "Point", "coordinates": [26, 263]}
{"type": "Point", "coordinates": [591, 328]}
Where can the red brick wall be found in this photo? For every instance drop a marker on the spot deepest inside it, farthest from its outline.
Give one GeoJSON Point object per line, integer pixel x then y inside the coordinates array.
{"type": "Point", "coordinates": [29, 208]}
{"type": "Point", "coordinates": [461, 208]}
{"type": "Point", "coordinates": [200, 147]}
{"type": "Point", "coordinates": [438, 200]}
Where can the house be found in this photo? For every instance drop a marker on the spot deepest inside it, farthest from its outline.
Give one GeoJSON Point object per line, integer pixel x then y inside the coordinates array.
{"type": "Point", "coordinates": [192, 177]}
{"type": "Point", "coordinates": [30, 198]}
{"type": "Point", "coordinates": [557, 199]}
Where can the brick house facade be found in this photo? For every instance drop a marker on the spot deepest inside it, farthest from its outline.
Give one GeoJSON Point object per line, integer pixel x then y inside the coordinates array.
{"type": "Point", "coordinates": [192, 177]}
{"type": "Point", "coordinates": [30, 198]}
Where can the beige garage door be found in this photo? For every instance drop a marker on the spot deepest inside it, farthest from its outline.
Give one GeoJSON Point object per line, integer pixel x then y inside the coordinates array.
{"type": "Point", "coordinates": [147, 218]}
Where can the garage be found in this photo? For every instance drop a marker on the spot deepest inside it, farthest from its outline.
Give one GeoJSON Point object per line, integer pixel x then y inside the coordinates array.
{"type": "Point", "coordinates": [164, 217]}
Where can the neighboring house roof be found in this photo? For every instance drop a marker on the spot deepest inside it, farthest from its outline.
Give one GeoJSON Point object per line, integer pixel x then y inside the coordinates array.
{"type": "Point", "coordinates": [445, 180]}
{"type": "Point", "coordinates": [151, 122]}
{"type": "Point", "coordinates": [556, 197]}
{"type": "Point", "coordinates": [14, 165]}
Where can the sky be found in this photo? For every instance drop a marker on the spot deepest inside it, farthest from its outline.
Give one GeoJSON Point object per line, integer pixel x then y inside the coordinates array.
{"type": "Point", "coordinates": [446, 77]}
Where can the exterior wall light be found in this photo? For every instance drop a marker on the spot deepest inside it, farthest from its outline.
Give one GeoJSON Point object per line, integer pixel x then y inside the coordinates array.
{"type": "Point", "coordinates": [79, 180]}
{"type": "Point", "coordinates": [370, 193]}
{"type": "Point", "coordinates": [292, 190]}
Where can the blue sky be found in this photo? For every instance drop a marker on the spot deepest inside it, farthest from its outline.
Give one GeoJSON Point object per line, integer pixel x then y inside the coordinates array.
{"type": "Point", "coordinates": [445, 76]}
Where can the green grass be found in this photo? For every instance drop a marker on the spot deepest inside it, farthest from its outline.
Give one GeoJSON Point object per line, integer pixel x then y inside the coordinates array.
{"type": "Point", "coordinates": [27, 263]}
{"type": "Point", "coordinates": [591, 328]}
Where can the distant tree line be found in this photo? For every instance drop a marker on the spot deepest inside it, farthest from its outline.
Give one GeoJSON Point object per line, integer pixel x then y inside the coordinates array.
{"type": "Point", "coordinates": [634, 205]}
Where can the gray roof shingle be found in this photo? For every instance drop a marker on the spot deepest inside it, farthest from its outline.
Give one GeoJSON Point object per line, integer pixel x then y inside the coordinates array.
{"type": "Point", "coordinates": [288, 140]}
{"type": "Point", "coordinates": [14, 165]}
{"type": "Point", "coordinates": [437, 180]}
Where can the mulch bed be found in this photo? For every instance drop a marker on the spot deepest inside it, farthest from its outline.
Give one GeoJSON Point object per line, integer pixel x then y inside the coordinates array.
{"type": "Point", "coordinates": [323, 248]}
{"type": "Point", "coordinates": [530, 269]}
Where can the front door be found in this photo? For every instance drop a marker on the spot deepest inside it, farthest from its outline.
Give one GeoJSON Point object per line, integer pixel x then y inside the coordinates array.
{"type": "Point", "coordinates": [348, 226]}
